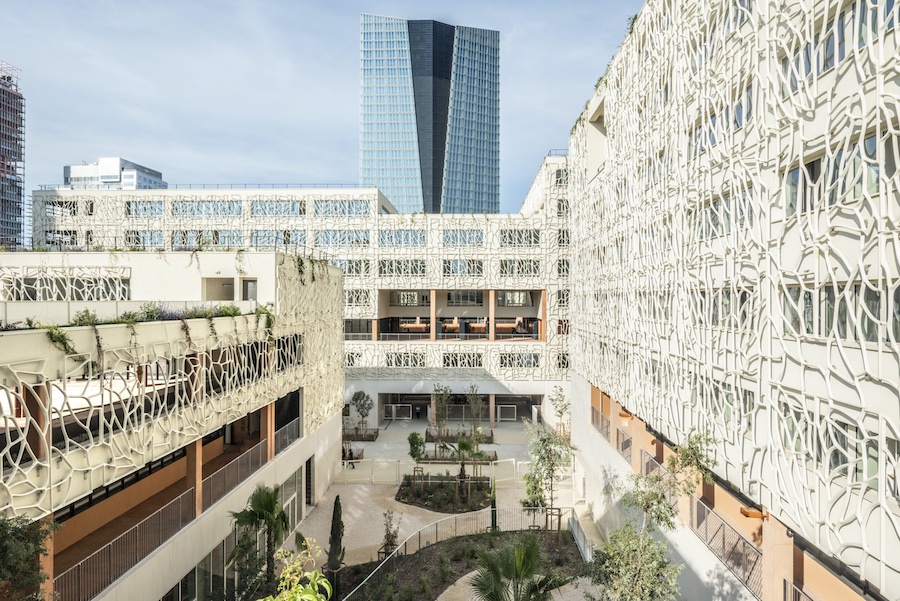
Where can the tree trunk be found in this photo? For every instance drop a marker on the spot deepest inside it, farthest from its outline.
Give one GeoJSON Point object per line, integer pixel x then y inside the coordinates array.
{"type": "Point", "coordinates": [270, 561]}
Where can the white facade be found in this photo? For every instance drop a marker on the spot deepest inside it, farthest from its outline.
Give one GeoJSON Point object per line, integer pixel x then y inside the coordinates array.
{"type": "Point", "coordinates": [736, 259]}
{"type": "Point", "coordinates": [128, 410]}
{"type": "Point", "coordinates": [411, 280]}
{"type": "Point", "coordinates": [112, 173]}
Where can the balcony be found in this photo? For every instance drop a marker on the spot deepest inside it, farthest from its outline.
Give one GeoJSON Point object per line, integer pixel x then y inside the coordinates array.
{"type": "Point", "coordinates": [116, 547]}
{"type": "Point", "coordinates": [404, 328]}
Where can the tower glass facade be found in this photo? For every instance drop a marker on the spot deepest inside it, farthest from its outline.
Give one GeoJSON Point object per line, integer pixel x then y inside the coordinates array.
{"type": "Point", "coordinates": [429, 125]}
{"type": "Point", "coordinates": [12, 157]}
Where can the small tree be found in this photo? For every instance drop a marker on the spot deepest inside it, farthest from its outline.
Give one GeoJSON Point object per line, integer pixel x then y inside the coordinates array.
{"type": "Point", "coordinates": [336, 549]}
{"type": "Point", "coordinates": [363, 404]}
{"type": "Point", "coordinates": [264, 511]}
{"type": "Point", "coordinates": [391, 533]}
{"type": "Point", "coordinates": [634, 566]}
{"type": "Point", "coordinates": [561, 406]}
{"type": "Point", "coordinates": [416, 447]}
{"type": "Point", "coordinates": [475, 402]}
{"type": "Point", "coordinates": [551, 456]}
{"type": "Point", "coordinates": [21, 546]}
{"type": "Point", "coordinates": [300, 581]}
{"type": "Point", "coordinates": [441, 397]}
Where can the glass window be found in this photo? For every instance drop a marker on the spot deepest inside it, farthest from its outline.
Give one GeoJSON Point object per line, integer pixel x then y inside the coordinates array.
{"type": "Point", "coordinates": [514, 298]}
{"type": "Point", "coordinates": [465, 298]}
{"type": "Point", "coordinates": [791, 307]}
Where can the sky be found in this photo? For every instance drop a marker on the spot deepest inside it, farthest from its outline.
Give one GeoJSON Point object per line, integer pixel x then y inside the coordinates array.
{"type": "Point", "coordinates": [219, 91]}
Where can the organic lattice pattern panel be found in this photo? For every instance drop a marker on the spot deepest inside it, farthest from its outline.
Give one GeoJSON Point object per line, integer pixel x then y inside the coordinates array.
{"type": "Point", "coordinates": [131, 394]}
{"type": "Point", "coordinates": [736, 257]}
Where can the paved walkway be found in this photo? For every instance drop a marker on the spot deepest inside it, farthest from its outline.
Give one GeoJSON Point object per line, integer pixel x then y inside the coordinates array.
{"type": "Point", "coordinates": [363, 505]}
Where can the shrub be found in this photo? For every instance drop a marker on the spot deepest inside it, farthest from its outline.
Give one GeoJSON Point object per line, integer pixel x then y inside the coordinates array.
{"type": "Point", "coordinates": [228, 310]}
{"type": "Point", "coordinates": [425, 584]}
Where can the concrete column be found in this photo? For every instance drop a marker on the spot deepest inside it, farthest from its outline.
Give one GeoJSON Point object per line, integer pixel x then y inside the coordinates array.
{"type": "Point", "coordinates": [777, 558]}
{"type": "Point", "coordinates": [267, 429]}
{"type": "Point", "coordinates": [375, 330]}
{"type": "Point", "coordinates": [491, 410]}
{"type": "Point", "coordinates": [37, 410]}
{"type": "Point", "coordinates": [433, 324]}
{"type": "Point", "coordinates": [194, 477]}
{"type": "Point", "coordinates": [492, 310]}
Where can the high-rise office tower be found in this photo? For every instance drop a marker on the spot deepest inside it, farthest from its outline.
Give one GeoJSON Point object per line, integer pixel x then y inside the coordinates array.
{"type": "Point", "coordinates": [430, 123]}
{"type": "Point", "coordinates": [12, 157]}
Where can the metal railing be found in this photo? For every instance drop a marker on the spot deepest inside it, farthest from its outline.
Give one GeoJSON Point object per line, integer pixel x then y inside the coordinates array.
{"type": "Point", "coordinates": [404, 335]}
{"type": "Point", "coordinates": [650, 466]}
{"type": "Point", "coordinates": [793, 593]}
{"type": "Point", "coordinates": [358, 336]}
{"type": "Point", "coordinates": [623, 444]}
{"type": "Point", "coordinates": [89, 577]}
{"type": "Point", "coordinates": [600, 423]}
{"type": "Point", "coordinates": [227, 478]}
{"type": "Point", "coordinates": [465, 524]}
{"type": "Point", "coordinates": [738, 554]}
{"type": "Point", "coordinates": [288, 435]}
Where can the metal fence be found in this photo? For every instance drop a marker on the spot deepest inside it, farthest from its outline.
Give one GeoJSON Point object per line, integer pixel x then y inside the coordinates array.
{"type": "Point", "coordinates": [623, 444]}
{"type": "Point", "coordinates": [465, 524]}
{"type": "Point", "coordinates": [600, 423]}
{"type": "Point", "coordinates": [288, 435]}
{"type": "Point", "coordinates": [740, 555]}
{"type": "Point", "coordinates": [650, 466]}
{"type": "Point", "coordinates": [792, 593]}
{"type": "Point", "coordinates": [226, 479]}
{"type": "Point", "coordinates": [89, 577]}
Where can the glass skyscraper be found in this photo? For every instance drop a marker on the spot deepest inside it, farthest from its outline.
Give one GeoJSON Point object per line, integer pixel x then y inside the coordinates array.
{"type": "Point", "coordinates": [430, 115]}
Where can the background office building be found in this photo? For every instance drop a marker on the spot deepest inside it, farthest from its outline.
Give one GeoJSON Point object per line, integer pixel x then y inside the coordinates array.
{"type": "Point", "coordinates": [429, 115]}
{"type": "Point", "coordinates": [112, 173]}
{"type": "Point", "coordinates": [12, 157]}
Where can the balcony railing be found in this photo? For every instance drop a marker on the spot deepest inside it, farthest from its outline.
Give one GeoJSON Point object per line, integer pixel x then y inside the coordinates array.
{"type": "Point", "coordinates": [404, 335]}
{"type": "Point", "coordinates": [650, 466]}
{"type": "Point", "coordinates": [623, 444]}
{"type": "Point", "coordinates": [288, 434]}
{"type": "Point", "coordinates": [357, 335]}
{"type": "Point", "coordinates": [740, 555]}
{"type": "Point", "coordinates": [92, 575]}
{"type": "Point", "coordinates": [600, 423]}
{"type": "Point", "coordinates": [792, 593]}
{"type": "Point", "coordinates": [226, 479]}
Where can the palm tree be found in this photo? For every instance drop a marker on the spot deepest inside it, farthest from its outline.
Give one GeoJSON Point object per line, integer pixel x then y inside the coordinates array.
{"type": "Point", "coordinates": [264, 511]}
{"type": "Point", "coordinates": [510, 574]}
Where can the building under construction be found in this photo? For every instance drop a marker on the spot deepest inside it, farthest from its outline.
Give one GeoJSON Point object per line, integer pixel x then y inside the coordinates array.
{"type": "Point", "coordinates": [12, 157]}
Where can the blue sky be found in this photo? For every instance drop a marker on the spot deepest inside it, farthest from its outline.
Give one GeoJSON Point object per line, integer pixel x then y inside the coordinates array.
{"type": "Point", "coordinates": [268, 91]}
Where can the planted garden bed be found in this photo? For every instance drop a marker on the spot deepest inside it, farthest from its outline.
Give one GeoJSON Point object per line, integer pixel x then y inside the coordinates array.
{"type": "Point", "coordinates": [429, 572]}
{"type": "Point", "coordinates": [446, 494]}
{"type": "Point", "coordinates": [360, 434]}
{"type": "Point", "coordinates": [452, 437]}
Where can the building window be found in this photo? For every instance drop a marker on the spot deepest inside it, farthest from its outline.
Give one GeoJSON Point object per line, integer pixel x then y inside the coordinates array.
{"type": "Point", "coordinates": [197, 209]}
{"type": "Point", "coordinates": [463, 267]}
{"type": "Point", "coordinates": [352, 359]}
{"type": "Point", "coordinates": [514, 298]}
{"type": "Point", "coordinates": [520, 267]}
{"type": "Point", "coordinates": [353, 267]}
{"type": "Point", "coordinates": [410, 298]}
{"type": "Point", "coordinates": [562, 298]}
{"type": "Point", "coordinates": [803, 187]}
{"type": "Point", "coordinates": [562, 207]}
{"type": "Point", "coordinates": [463, 360]}
{"type": "Point", "coordinates": [143, 239]}
{"type": "Point", "coordinates": [143, 208]}
{"type": "Point", "coordinates": [520, 238]}
{"type": "Point", "coordinates": [461, 238]}
{"type": "Point", "coordinates": [341, 238]}
{"type": "Point", "coordinates": [401, 267]}
{"type": "Point", "coordinates": [405, 360]}
{"type": "Point", "coordinates": [260, 209]}
{"type": "Point", "coordinates": [562, 238]}
{"type": "Point", "coordinates": [465, 298]}
{"type": "Point", "coordinates": [343, 208]}
{"type": "Point", "coordinates": [401, 238]}
{"type": "Point", "coordinates": [562, 268]}
{"type": "Point", "coordinates": [562, 326]}
{"type": "Point", "coordinates": [357, 298]}
{"type": "Point", "coordinates": [562, 361]}
{"type": "Point", "coordinates": [519, 360]}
